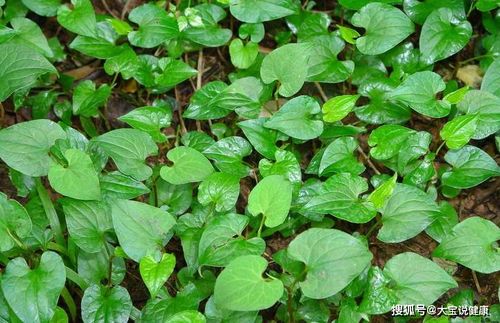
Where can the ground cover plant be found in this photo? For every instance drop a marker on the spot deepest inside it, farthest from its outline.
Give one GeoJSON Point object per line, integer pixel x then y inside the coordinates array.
{"type": "Point", "coordinates": [248, 160]}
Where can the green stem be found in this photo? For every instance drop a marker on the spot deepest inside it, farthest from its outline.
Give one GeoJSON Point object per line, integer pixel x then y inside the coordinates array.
{"type": "Point", "coordinates": [135, 314]}
{"type": "Point", "coordinates": [475, 58]}
{"type": "Point", "coordinates": [373, 227]}
{"type": "Point", "coordinates": [261, 225]}
{"type": "Point", "coordinates": [75, 278]}
{"type": "Point", "coordinates": [51, 213]}
{"type": "Point", "coordinates": [55, 247]}
{"type": "Point", "coordinates": [472, 6]}
{"type": "Point", "coordinates": [439, 148]}
{"type": "Point", "coordinates": [17, 240]}
{"type": "Point", "coordinates": [4, 259]}
{"type": "Point", "coordinates": [70, 303]}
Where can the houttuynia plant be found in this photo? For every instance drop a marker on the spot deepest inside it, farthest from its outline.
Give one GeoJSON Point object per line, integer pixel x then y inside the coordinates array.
{"type": "Point", "coordinates": [249, 161]}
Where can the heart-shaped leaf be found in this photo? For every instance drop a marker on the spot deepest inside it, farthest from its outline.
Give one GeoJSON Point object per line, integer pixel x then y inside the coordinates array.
{"type": "Point", "coordinates": [472, 243]}
{"type": "Point", "coordinates": [189, 166]}
{"type": "Point", "coordinates": [385, 27]}
{"type": "Point", "coordinates": [25, 146]}
{"type": "Point", "coordinates": [443, 34]}
{"type": "Point", "coordinates": [261, 10]}
{"type": "Point", "coordinates": [80, 19]}
{"type": "Point", "coordinates": [101, 304]}
{"type": "Point", "coordinates": [33, 293]}
{"type": "Point", "coordinates": [141, 228]}
{"type": "Point", "coordinates": [272, 198]}
{"type": "Point", "coordinates": [333, 259]}
{"type": "Point", "coordinates": [220, 189]}
{"type": "Point", "coordinates": [78, 179]}
{"type": "Point", "coordinates": [154, 273]}
{"type": "Point", "coordinates": [296, 118]}
{"type": "Point", "coordinates": [242, 275]}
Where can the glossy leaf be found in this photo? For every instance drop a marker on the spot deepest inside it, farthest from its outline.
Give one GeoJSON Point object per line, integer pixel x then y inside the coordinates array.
{"type": "Point", "coordinates": [103, 304]}
{"type": "Point", "coordinates": [154, 273]}
{"type": "Point", "coordinates": [333, 259]}
{"type": "Point", "coordinates": [189, 166]}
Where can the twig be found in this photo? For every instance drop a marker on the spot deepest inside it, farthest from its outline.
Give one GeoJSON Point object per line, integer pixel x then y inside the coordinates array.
{"type": "Point", "coordinates": [476, 282]}
{"type": "Point", "coordinates": [2, 113]}
{"type": "Point", "coordinates": [321, 92]}
{"type": "Point", "coordinates": [125, 9]}
{"type": "Point", "coordinates": [372, 166]}
{"type": "Point", "coordinates": [179, 111]}
{"type": "Point", "coordinates": [108, 9]}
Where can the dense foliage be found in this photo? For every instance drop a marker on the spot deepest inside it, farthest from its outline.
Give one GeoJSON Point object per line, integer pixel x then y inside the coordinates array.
{"type": "Point", "coordinates": [269, 157]}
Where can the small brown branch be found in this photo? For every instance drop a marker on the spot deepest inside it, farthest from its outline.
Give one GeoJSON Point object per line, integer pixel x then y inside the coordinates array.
{"type": "Point", "coordinates": [368, 160]}
{"type": "Point", "coordinates": [179, 111]}
{"type": "Point", "coordinates": [108, 9]}
{"type": "Point", "coordinates": [321, 92]}
{"type": "Point", "coordinates": [476, 282]}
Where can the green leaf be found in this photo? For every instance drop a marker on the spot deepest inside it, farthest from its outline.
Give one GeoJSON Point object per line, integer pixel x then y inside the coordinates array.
{"type": "Point", "coordinates": [117, 185]}
{"type": "Point", "coordinates": [190, 166]}
{"type": "Point", "coordinates": [150, 119]}
{"type": "Point", "coordinates": [457, 95]}
{"type": "Point", "coordinates": [141, 228]}
{"type": "Point", "coordinates": [471, 167]}
{"type": "Point", "coordinates": [272, 198]}
{"type": "Point", "coordinates": [80, 19]}
{"type": "Point", "coordinates": [33, 293]}
{"type": "Point", "coordinates": [288, 65]}
{"type": "Point", "coordinates": [296, 118]}
{"type": "Point", "coordinates": [155, 26]}
{"type": "Point", "coordinates": [126, 63]}
{"type": "Point", "coordinates": [286, 164]}
{"type": "Point", "coordinates": [382, 193]}
{"type": "Point", "coordinates": [338, 157]}
{"type": "Point", "coordinates": [444, 222]}
{"type": "Point", "coordinates": [155, 274]}
{"type": "Point", "coordinates": [419, 92]}
{"type": "Point", "coordinates": [385, 27]}
{"type": "Point", "coordinates": [94, 267]}
{"type": "Point", "coordinates": [28, 33]}
{"type": "Point", "coordinates": [243, 55]}
{"type": "Point", "coordinates": [228, 154]}
{"type": "Point", "coordinates": [25, 146]}
{"type": "Point", "coordinates": [87, 222]}
{"type": "Point", "coordinates": [102, 304]}
{"type": "Point", "coordinates": [407, 213]}
{"type": "Point", "coordinates": [333, 259]}
{"type": "Point", "coordinates": [408, 278]}
{"type": "Point", "coordinates": [221, 190]}
{"type": "Point", "coordinates": [173, 72]}
{"type": "Point", "coordinates": [491, 79]}
{"type": "Point", "coordinates": [261, 138]}
{"type": "Point", "coordinates": [443, 35]}
{"type": "Point", "coordinates": [190, 316]}
{"type": "Point", "coordinates": [221, 241]}
{"type": "Point", "coordinates": [128, 148]}
{"type": "Point", "coordinates": [339, 196]}
{"type": "Point", "coordinates": [255, 31]}
{"type": "Point", "coordinates": [13, 220]}
{"type": "Point", "coordinates": [46, 8]}
{"type": "Point", "coordinates": [95, 47]}
{"type": "Point", "coordinates": [337, 108]}
{"type": "Point", "coordinates": [78, 179]}
{"type": "Point", "coordinates": [87, 99]}
{"type": "Point", "coordinates": [244, 274]}
{"type": "Point", "coordinates": [207, 32]}
{"type": "Point", "coordinates": [472, 243]}
{"type": "Point", "coordinates": [457, 132]}
{"type": "Point", "coordinates": [485, 105]}
{"type": "Point", "coordinates": [254, 11]}
{"type": "Point", "coordinates": [418, 11]}
{"type": "Point", "coordinates": [323, 64]}
{"type": "Point", "coordinates": [20, 69]}
{"type": "Point", "coordinates": [348, 34]}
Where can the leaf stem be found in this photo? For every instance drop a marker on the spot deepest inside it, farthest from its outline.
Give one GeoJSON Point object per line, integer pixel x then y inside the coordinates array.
{"type": "Point", "coordinates": [373, 227]}
{"type": "Point", "coordinates": [261, 225]}
{"type": "Point", "coordinates": [439, 148]}
{"type": "Point", "coordinates": [70, 303]}
{"type": "Point", "coordinates": [50, 211]}
{"type": "Point", "coordinates": [75, 278]}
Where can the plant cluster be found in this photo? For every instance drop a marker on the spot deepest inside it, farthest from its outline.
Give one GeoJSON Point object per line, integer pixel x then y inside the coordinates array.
{"type": "Point", "coordinates": [257, 192]}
